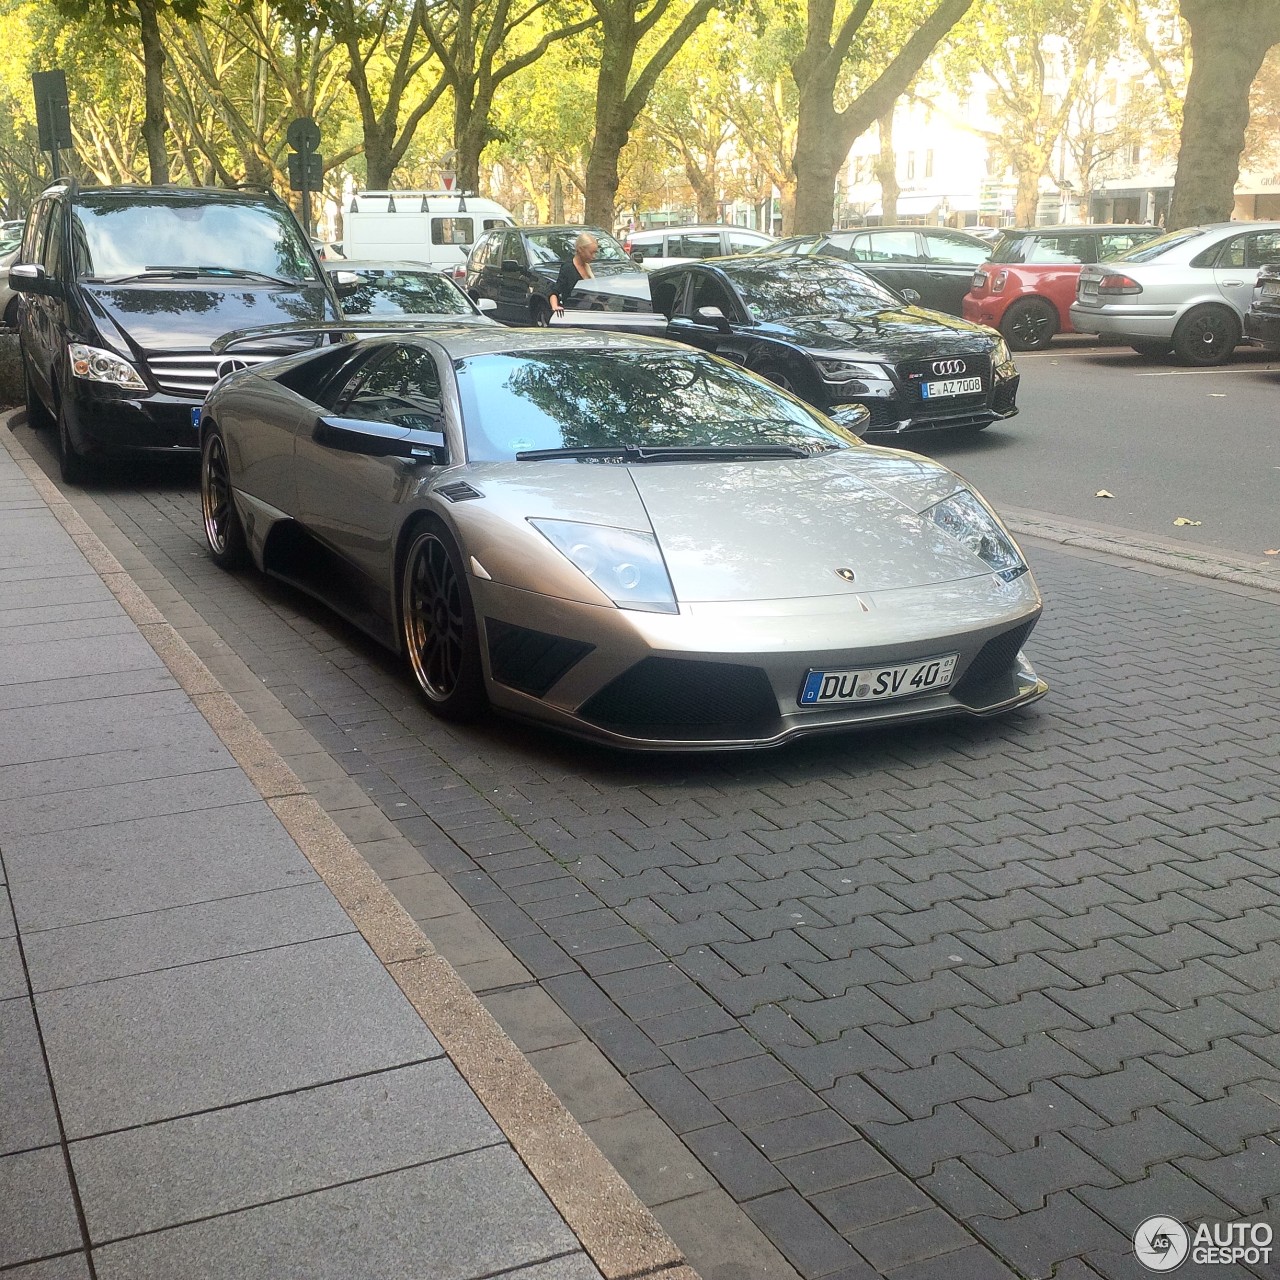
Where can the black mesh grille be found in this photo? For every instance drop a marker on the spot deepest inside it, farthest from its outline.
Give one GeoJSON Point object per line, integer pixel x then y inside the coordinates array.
{"type": "Point", "coordinates": [686, 700]}
{"type": "Point", "coordinates": [884, 413]}
{"type": "Point", "coordinates": [1006, 396]}
{"type": "Point", "coordinates": [995, 659]}
{"type": "Point", "coordinates": [531, 661]}
{"type": "Point", "coordinates": [915, 373]}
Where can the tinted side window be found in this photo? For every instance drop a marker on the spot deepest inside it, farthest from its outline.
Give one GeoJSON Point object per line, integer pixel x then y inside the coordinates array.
{"type": "Point", "coordinates": [744, 243]}
{"type": "Point", "coordinates": [480, 253]}
{"type": "Point", "coordinates": [939, 248]}
{"type": "Point", "coordinates": [1114, 243]}
{"type": "Point", "coordinates": [700, 244]}
{"type": "Point", "coordinates": [513, 248]}
{"type": "Point", "coordinates": [709, 292]}
{"type": "Point", "coordinates": [401, 387]}
{"type": "Point", "coordinates": [452, 231]}
{"type": "Point", "coordinates": [490, 223]}
{"type": "Point", "coordinates": [52, 254]}
{"type": "Point", "coordinates": [1265, 249]}
{"type": "Point", "coordinates": [891, 246]}
{"type": "Point", "coordinates": [1067, 249]}
{"type": "Point", "coordinates": [36, 230]}
{"type": "Point", "coordinates": [1232, 254]}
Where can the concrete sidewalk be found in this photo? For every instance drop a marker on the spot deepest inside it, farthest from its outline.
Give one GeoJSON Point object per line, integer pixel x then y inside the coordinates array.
{"type": "Point", "coordinates": [210, 1065]}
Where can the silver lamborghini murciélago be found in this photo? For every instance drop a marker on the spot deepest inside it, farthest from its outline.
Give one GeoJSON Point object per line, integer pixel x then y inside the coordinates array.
{"type": "Point", "coordinates": [624, 538]}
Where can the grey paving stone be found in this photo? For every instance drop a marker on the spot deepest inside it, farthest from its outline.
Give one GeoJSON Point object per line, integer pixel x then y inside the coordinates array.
{"type": "Point", "coordinates": [13, 981]}
{"type": "Point", "coordinates": [711, 1229]}
{"type": "Point", "coordinates": [863, 1204]}
{"type": "Point", "coordinates": [155, 1046]}
{"type": "Point", "coordinates": [915, 1146]}
{"type": "Point", "coordinates": [69, 1266]}
{"type": "Point", "coordinates": [98, 656]}
{"type": "Point", "coordinates": [93, 806]}
{"type": "Point", "coordinates": [134, 944]}
{"type": "Point", "coordinates": [813, 1246]}
{"type": "Point", "coordinates": [33, 632]}
{"type": "Point", "coordinates": [1027, 1178]}
{"type": "Point", "coordinates": [27, 1116]}
{"type": "Point", "coordinates": [1034, 1243]}
{"type": "Point", "coordinates": [1164, 1185]}
{"type": "Point", "coordinates": [44, 732]}
{"type": "Point", "coordinates": [394, 1227]}
{"type": "Point", "coordinates": [926, 1234]}
{"type": "Point", "coordinates": [586, 1082]}
{"type": "Point", "coordinates": [957, 1188]}
{"type": "Point", "coordinates": [149, 864]}
{"type": "Point", "coordinates": [577, 1266]}
{"type": "Point", "coordinates": [649, 1156]}
{"type": "Point", "coordinates": [680, 1103]}
{"type": "Point", "coordinates": [734, 1162]}
{"type": "Point", "coordinates": [198, 1166]}
{"type": "Point", "coordinates": [77, 588]}
{"type": "Point", "coordinates": [1247, 1180]}
{"type": "Point", "coordinates": [39, 1215]}
{"type": "Point", "coordinates": [973, 1263]}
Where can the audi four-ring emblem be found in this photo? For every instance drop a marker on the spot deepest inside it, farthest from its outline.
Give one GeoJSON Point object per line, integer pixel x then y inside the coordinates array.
{"type": "Point", "coordinates": [226, 367]}
{"type": "Point", "coordinates": [948, 368]}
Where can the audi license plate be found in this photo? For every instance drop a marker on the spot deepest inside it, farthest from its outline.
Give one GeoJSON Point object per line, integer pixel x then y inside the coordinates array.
{"type": "Point", "coordinates": [951, 387]}
{"type": "Point", "coordinates": [829, 688]}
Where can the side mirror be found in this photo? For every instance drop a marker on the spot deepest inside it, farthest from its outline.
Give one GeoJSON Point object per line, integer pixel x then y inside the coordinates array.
{"type": "Point", "coordinates": [31, 277]}
{"type": "Point", "coordinates": [853, 417]}
{"type": "Point", "coordinates": [637, 256]}
{"type": "Point", "coordinates": [714, 317]}
{"type": "Point", "coordinates": [911, 296]}
{"type": "Point", "coordinates": [487, 305]}
{"type": "Point", "coordinates": [380, 440]}
{"type": "Point", "coordinates": [510, 264]}
{"type": "Point", "coordinates": [345, 283]}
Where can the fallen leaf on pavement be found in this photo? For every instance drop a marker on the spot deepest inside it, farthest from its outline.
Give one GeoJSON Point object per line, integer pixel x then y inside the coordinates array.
{"type": "Point", "coordinates": [1102, 493]}
{"type": "Point", "coordinates": [1217, 395]}
{"type": "Point", "coordinates": [1182, 520]}
{"type": "Point", "coordinates": [1271, 553]}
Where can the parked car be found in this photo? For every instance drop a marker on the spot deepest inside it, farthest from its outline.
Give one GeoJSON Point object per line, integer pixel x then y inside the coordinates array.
{"type": "Point", "coordinates": [403, 290]}
{"type": "Point", "coordinates": [511, 511]}
{"type": "Point", "coordinates": [9, 299]}
{"type": "Point", "coordinates": [837, 338]}
{"type": "Point", "coordinates": [436, 227]}
{"type": "Point", "coordinates": [1262, 321]}
{"type": "Point", "coordinates": [1186, 292]}
{"type": "Point", "coordinates": [1027, 288]}
{"type": "Point", "coordinates": [517, 268]}
{"type": "Point", "coordinates": [668, 246]}
{"type": "Point", "coordinates": [929, 265]}
{"type": "Point", "coordinates": [125, 290]}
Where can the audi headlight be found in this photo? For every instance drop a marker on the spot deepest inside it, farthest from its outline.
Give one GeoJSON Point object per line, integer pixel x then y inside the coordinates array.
{"type": "Point", "coordinates": [848, 370]}
{"type": "Point", "coordinates": [964, 518]}
{"type": "Point", "coordinates": [97, 365]}
{"type": "Point", "coordinates": [1000, 353]}
{"type": "Point", "coordinates": [624, 563]}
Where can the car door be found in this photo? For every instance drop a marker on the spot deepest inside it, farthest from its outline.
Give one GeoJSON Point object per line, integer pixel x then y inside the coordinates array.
{"type": "Point", "coordinates": [351, 500]}
{"type": "Point", "coordinates": [716, 334]}
{"type": "Point", "coordinates": [513, 280]}
{"type": "Point", "coordinates": [1236, 266]}
{"type": "Point", "coordinates": [948, 273]}
{"type": "Point", "coordinates": [37, 326]}
{"type": "Point", "coordinates": [894, 258]}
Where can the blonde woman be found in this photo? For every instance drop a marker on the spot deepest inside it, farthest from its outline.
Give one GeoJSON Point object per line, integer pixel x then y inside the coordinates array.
{"type": "Point", "coordinates": [585, 248]}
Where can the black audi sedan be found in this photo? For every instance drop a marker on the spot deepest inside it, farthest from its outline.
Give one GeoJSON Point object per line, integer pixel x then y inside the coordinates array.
{"type": "Point", "coordinates": [837, 338]}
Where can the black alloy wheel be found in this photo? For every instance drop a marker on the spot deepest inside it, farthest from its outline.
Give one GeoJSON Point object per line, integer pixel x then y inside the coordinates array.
{"type": "Point", "coordinates": [1206, 336]}
{"type": "Point", "coordinates": [223, 531]}
{"type": "Point", "coordinates": [1029, 325]}
{"type": "Point", "coordinates": [778, 376]}
{"type": "Point", "coordinates": [439, 626]}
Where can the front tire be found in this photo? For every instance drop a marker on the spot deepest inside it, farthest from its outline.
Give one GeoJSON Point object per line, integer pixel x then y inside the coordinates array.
{"type": "Point", "coordinates": [1206, 336]}
{"type": "Point", "coordinates": [780, 378]}
{"type": "Point", "coordinates": [71, 462]}
{"type": "Point", "coordinates": [228, 547]}
{"type": "Point", "coordinates": [1029, 325]}
{"type": "Point", "coordinates": [438, 624]}
{"type": "Point", "coordinates": [540, 313]}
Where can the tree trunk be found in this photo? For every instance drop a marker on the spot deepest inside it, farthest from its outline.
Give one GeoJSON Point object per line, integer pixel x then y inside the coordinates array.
{"type": "Point", "coordinates": [816, 164]}
{"type": "Point", "coordinates": [557, 199]}
{"type": "Point", "coordinates": [611, 134]}
{"type": "Point", "coordinates": [153, 123]}
{"type": "Point", "coordinates": [380, 166]}
{"type": "Point", "coordinates": [470, 137]}
{"type": "Point", "coordinates": [1027, 199]}
{"type": "Point", "coordinates": [887, 171]}
{"type": "Point", "coordinates": [1229, 40]}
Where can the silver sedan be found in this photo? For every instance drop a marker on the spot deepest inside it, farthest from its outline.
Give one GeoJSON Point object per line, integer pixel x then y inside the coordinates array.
{"type": "Point", "coordinates": [1186, 292]}
{"type": "Point", "coordinates": [621, 537]}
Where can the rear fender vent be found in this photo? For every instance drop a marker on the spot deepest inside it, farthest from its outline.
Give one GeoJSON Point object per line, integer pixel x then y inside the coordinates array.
{"type": "Point", "coordinates": [459, 491]}
{"type": "Point", "coordinates": [527, 660]}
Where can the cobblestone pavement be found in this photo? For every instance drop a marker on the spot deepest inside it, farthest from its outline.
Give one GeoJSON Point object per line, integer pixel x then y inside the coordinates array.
{"type": "Point", "coordinates": [970, 1000]}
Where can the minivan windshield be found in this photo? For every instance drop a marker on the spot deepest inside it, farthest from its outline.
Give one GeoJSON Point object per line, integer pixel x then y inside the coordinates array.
{"type": "Point", "coordinates": [119, 237]}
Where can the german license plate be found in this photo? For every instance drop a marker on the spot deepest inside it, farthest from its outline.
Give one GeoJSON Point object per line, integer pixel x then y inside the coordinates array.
{"type": "Point", "coordinates": [195, 417]}
{"type": "Point", "coordinates": [1088, 288]}
{"type": "Point", "coordinates": [951, 387]}
{"type": "Point", "coordinates": [1271, 288]}
{"type": "Point", "coordinates": [877, 684]}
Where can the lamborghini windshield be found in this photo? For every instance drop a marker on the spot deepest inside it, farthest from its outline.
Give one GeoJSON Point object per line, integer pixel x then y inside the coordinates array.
{"type": "Point", "coordinates": [630, 406]}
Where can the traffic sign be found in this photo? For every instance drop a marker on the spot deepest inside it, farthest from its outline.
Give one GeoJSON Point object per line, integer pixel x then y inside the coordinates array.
{"type": "Point", "coordinates": [303, 134]}
{"type": "Point", "coordinates": [313, 173]}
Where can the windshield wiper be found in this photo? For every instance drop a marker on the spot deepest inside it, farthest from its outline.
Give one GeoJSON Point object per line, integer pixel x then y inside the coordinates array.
{"type": "Point", "coordinates": [194, 273]}
{"type": "Point", "coordinates": [675, 453]}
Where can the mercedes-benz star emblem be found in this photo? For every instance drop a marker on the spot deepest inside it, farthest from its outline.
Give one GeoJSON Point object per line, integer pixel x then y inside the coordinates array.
{"type": "Point", "coordinates": [948, 368]}
{"type": "Point", "coordinates": [847, 574]}
{"type": "Point", "coordinates": [226, 367]}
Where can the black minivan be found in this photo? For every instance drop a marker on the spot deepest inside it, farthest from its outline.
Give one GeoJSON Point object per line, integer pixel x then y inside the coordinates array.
{"type": "Point", "coordinates": [126, 289]}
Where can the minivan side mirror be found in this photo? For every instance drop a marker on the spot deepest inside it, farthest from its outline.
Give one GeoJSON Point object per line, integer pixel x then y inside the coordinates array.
{"type": "Point", "coordinates": [637, 256]}
{"type": "Point", "coordinates": [487, 305]}
{"type": "Point", "coordinates": [31, 277]}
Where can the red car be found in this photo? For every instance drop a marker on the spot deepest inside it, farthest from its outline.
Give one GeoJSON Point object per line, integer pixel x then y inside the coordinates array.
{"type": "Point", "coordinates": [1027, 287]}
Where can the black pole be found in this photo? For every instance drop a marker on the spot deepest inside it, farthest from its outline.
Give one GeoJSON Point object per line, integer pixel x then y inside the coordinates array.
{"type": "Point", "coordinates": [305, 155]}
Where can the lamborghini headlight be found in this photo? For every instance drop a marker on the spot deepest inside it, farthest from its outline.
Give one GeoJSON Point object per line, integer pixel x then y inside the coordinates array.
{"type": "Point", "coordinates": [964, 518]}
{"type": "Point", "coordinates": [624, 563]}
{"type": "Point", "coordinates": [101, 366]}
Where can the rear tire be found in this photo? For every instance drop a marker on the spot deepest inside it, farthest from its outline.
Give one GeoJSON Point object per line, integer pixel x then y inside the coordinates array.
{"type": "Point", "coordinates": [1029, 325]}
{"type": "Point", "coordinates": [438, 625]}
{"type": "Point", "coordinates": [1206, 336]}
{"type": "Point", "coordinates": [223, 532]}
{"type": "Point", "coordinates": [1155, 348]}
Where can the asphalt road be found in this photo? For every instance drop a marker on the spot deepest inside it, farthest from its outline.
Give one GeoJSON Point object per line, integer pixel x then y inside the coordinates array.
{"type": "Point", "coordinates": [1167, 441]}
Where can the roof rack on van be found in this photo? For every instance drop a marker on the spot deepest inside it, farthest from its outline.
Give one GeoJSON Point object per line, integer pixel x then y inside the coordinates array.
{"type": "Point", "coordinates": [421, 195]}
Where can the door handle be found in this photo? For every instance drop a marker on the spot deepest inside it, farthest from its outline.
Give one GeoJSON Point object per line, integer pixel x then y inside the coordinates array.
{"type": "Point", "coordinates": [1229, 283]}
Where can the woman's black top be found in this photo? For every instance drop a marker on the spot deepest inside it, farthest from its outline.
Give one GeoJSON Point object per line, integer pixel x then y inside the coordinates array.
{"type": "Point", "coordinates": [566, 281]}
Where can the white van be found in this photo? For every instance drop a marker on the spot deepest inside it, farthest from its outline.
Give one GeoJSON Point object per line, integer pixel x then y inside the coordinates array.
{"type": "Point", "coordinates": [435, 227]}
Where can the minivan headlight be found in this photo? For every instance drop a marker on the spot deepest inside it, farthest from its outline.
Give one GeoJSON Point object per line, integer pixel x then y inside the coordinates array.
{"type": "Point", "coordinates": [96, 365]}
{"type": "Point", "coordinates": [964, 518]}
{"type": "Point", "coordinates": [624, 563]}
